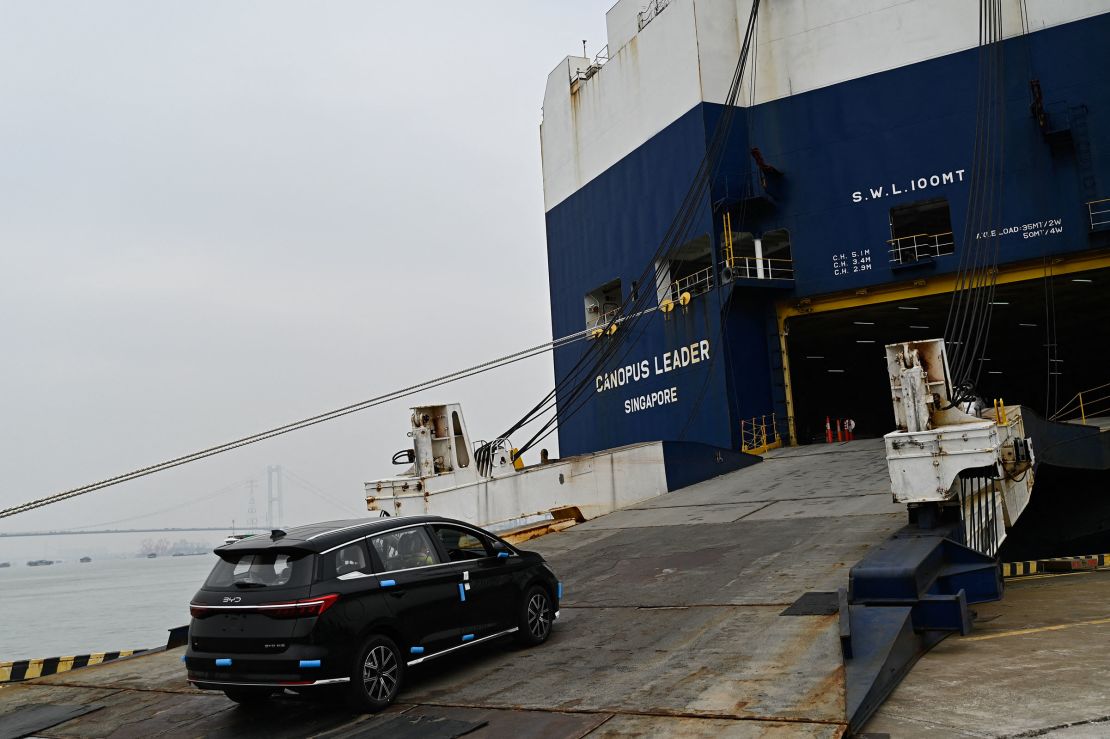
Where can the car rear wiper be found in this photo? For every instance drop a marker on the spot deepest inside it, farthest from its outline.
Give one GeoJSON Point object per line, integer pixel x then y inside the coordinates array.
{"type": "Point", "coordinates": [248, 584]}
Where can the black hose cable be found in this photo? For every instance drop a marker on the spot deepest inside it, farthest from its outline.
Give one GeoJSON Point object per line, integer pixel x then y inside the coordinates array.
{"type": "Point", "coordinates": [572, 386]}
{"type": "Point", "coordinates": [967, 327]}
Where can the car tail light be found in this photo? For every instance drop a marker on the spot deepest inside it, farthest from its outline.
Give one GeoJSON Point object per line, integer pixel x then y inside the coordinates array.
{"type": "Point", "coordinates": [300, 608]}
{"type": "Point", "coordinates": [304, 608]}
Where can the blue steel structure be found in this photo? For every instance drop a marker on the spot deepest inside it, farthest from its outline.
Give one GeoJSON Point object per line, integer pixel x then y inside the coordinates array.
{"type": "Point", "coordinates": [847, 153]}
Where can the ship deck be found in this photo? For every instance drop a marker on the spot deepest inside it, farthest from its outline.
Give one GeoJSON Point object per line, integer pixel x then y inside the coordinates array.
{"type": "Point", "coordinates": [1102, 423]}
{"type": "Point", "coordinates": [672, 624]}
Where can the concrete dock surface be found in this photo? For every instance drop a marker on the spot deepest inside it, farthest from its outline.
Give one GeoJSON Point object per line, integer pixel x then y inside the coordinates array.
{"type": "Point", "coordinates": [672, 625]}
{"type": "Point", "coordinates": [1035, 665]}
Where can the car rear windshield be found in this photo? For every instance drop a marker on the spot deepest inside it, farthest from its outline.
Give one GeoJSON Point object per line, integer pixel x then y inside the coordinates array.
{"type": "Point", "coordinates": [246, 570]}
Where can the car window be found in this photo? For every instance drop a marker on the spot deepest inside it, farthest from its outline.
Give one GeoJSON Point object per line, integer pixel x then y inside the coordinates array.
{"type": "Point", "coordinates": [461, 544]}
{"type": "Point", "coordinates": [346, 559]}
{"type": "Point", "coordinates": [260, 569]}
{"type": "Point", "coordinates": [350, 558]}
{"type": "Point", "coordinates": [401, 550]}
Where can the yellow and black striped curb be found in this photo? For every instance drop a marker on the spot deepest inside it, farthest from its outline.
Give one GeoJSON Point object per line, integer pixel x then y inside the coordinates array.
{"type": "Point", "coordinates": [1055, 564]}
{"type": "Point", "coordinates": [11, 672]}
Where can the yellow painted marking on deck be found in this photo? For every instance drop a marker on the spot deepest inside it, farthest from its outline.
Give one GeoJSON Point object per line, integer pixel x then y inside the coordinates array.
{"type": "Point", "coordinates": [1014, 570]}
{"type": "Point", "coordinates": [34, 669]}
{"type": "Point", "coordinates": [1067, 573]}
{"type": "Point", "coordinates": [1043, 576]}
{"type": "Point", "coordinates": [96, 659]}
{"type": "Point", "coordinates": [1039, 629]}
{"type": "Point", "coordinates": [65, 664]}
{"type": "Point", "coordinates": [127, 653]}
{"type": "Point", "coordinates": [5, 672]}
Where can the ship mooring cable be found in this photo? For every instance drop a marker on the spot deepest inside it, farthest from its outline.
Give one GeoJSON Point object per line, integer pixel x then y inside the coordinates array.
{"type": "Point", "coordinates": [679, 231]}
{"type": "Point", "coordinates": [574, 384]}
{"type": "Point", "coordinates": [967, 327]}
{"type": "Point", "coordinates": [296, 425]}
{"type": "Point", "coordinates": [570, 394]}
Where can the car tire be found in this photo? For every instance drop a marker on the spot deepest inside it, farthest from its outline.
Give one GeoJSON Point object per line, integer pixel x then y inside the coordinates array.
{"type": "Point", "coordinates": [376, 675]}
{"type": "Point", "coordinates": [536, 617]}
{"type": "Point", "coordinates": [249, 696]}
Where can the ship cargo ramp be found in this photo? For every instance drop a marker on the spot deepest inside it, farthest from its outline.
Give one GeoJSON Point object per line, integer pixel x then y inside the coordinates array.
{"type": "Point", "coordinates": [672, 624]}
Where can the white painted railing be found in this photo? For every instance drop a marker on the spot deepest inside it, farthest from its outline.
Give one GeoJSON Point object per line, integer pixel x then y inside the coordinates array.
{"type": "Point", "coordinates": [910, 249]}
{"type": "Point", "coordinates": [695, 284]}
{"type": "Point", "coordinates": [760, 268]}
{"type": "Point", "coordinates": [1099, 212]}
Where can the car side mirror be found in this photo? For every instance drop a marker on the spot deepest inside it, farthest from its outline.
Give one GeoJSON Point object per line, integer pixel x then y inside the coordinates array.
{"type": "Point", "coordinates": [500, 550]}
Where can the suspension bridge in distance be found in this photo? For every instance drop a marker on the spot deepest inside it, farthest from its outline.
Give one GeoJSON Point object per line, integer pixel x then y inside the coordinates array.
{"type": "Point", "coordinates": [271, 518]}
{"type": "Point", "coordinates": [227, 529]}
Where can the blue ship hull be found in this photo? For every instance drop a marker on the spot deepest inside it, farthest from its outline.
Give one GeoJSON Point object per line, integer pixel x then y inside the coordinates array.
{"type": "Point", "coordinates": [847, 153]}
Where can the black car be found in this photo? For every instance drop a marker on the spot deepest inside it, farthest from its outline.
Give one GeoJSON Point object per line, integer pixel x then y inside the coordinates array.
{"type": "Point", "coordinates": [354, 603]}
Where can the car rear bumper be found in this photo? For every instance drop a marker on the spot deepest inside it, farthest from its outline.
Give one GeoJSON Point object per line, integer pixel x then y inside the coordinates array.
{"type": "Point", "coordinates": [225, 684]}
{"type": "Point", "coordinates": [298, 666]}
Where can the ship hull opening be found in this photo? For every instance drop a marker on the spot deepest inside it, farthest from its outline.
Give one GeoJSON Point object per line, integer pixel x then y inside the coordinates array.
{"type": "Point", "coordinates": [837, 370]}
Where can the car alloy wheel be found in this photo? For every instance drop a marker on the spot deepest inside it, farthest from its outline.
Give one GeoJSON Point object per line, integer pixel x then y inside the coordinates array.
{"type": "Point", "coordinates": [376, 675]}
{"type": "Point", "coordinates": [536, 617]}
{"type": "Point", "coordinates": [380, 673]}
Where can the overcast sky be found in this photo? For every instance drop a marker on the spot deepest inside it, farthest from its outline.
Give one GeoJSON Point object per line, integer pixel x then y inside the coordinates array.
{"type": "Point", "coordinates": [216, 217]}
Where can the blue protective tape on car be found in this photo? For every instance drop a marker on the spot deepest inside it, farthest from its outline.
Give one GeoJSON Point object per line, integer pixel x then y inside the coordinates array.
{"type": "Point", "coordinates": [387, 583]}
{"type": "Point", "coordinates": [223, 663]}
{"type": "Point", "coordinates": [462, 592]}
{"type": "Point", "coordinates": [468, 637]}
{"type": "Point", "coordinates": [416, 650]}
{"type": "Point", "coordinates": [306, 663]}
{"type": "Point", "coordinates": [183, 658]}
{"type": "Point", "coordinates": [559, 592]}
{"type": "Point", "coordinates": [502, 555]}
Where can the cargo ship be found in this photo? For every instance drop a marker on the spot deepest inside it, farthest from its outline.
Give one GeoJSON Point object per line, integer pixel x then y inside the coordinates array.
{"type": "Point", "coordinates": [813, 280]}
{"type": "Point", "coordinates": [836, 217]}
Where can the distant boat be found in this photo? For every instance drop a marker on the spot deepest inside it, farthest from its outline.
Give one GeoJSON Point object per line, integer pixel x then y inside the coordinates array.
{"type": "Point", "coordinates": [86, 559]}
{"type": "Point", "coordinates": [5, 564]}
{"type": "Point", "coordinates": [152, 555]}
{"type": "Point", "coordinates": [40, 562]}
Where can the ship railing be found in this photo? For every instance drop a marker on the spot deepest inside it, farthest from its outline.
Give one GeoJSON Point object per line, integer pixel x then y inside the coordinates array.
{"type": "Point", "coordinates": [760, 434]}
{"type": "Point", "coordinates": [649, 13]}
{"type": "Point", "coordinates": [757, 268]}
{"type": "Point", "coordinates": [581, 75]}
{"type": "Point", "coordinates": [910, 249]}
{"type": "Point", "coordinates": [1093, 402]}
{"type": "Point", "coordinates": [1099, 213]}
{"type": "Point", "coordinates": [696, 283]}
{"type": "Point", "coordinates": [604, 319]}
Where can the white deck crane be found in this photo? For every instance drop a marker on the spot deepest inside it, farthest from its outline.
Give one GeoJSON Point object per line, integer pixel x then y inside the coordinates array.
{"type": "Point", "coordinates": [944, 459]}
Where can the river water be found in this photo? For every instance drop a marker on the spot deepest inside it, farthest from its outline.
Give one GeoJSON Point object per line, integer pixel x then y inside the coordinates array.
{"type": "Point", "coordinates": [100, 606]}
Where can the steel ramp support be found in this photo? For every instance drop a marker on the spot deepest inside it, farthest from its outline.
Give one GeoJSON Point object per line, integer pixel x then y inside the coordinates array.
{"type": "Point", "coordinates": [903, 598]}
